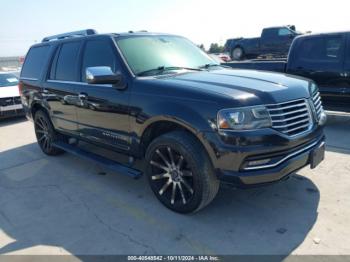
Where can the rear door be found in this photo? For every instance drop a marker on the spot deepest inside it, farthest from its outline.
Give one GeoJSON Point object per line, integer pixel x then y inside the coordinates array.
{"type": "Point", "coordinates": [321, 58]}
{"type": "Point", "coordinates": [60, 89]}
{"type": "Point", "coordinates": [346, 90]}
{"type": "Point", "coordinates": [268, 41]}
{"type": "Point", "coordinates": [103, 111]}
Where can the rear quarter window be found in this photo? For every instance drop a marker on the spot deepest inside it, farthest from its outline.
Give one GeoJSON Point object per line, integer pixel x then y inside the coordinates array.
{"type": "Point", "coordinates": [35, 62]}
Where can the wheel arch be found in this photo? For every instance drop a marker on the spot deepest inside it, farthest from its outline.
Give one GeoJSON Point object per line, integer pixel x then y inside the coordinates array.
{"type": "Point", "coordinates": [162, 125]}
{"type": "Point", "coordinates": [37, 105]}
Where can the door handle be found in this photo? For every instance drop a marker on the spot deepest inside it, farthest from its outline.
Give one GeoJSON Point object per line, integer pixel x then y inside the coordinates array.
{"type": "Point", "coordinates": [82, 96]}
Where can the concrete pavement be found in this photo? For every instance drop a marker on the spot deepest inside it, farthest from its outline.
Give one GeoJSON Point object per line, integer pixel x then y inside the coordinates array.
{"type": "Point", "coordinates": [66, 205]}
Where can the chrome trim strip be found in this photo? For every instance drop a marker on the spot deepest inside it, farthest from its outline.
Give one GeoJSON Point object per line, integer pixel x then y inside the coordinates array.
{"type": "Point", "coordinates": [299, 127]}
{"type": "Point", "coordinates": [287, 107]}
{"type": "Point", "coordinates": [76, 83]}
{"type": "Point", "coordinates": [285, 158]}
{"type": "Point", "coordinates": [28, 78]}
{"type": "Point", "coordinates": [293, 124]}
{"type": "Point", "coordinates": [288, 113]}
{"type": "Point", "coordinates": [287, 102]}
{"type": "Point", "coordinates": [291, 118]}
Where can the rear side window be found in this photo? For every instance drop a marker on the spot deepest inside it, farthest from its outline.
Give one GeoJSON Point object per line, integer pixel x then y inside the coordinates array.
{"type": "Point", "coordinates": [270, 33]}
{"type": "Point", "coordinates": [325, 49]}
{"type": "Point", "coordinates": [67, 62]}
{"type": "Point", "coordinates": [35, 62]}
{"type": "Point", "coordinates": [98, 53]}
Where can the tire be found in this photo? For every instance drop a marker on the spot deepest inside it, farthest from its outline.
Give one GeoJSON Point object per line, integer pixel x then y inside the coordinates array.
{"type": "Point", "coordinates": [45, 134]}
{"type": "Point", "coordinates": [237, 53]}
{"type": "Point", "coordinates": [177, 160]}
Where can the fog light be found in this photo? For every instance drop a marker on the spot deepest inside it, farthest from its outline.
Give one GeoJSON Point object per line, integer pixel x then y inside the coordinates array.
{"type": "Point", "coordinates": [259, 162]}
{"type": "Point", "coordinates": [322, 119]}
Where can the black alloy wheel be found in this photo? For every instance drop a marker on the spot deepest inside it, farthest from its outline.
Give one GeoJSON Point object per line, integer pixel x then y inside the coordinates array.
{"type": "Point", "coordinates": [45, 133]}
{"type": "Point", "coordinates": [172, 176]}
{"type": "Point", "coordinates": [180, 172]}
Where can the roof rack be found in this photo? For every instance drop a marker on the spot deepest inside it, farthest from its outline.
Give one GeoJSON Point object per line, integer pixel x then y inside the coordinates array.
{"type": "Point", "coordinates": [70, 34]}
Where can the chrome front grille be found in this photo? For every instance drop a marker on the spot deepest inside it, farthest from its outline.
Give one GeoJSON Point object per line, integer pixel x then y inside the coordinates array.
{"type": "Point", "coordinates": [291, 118]}
{"type": "Point", "coordinates": [316, 99]}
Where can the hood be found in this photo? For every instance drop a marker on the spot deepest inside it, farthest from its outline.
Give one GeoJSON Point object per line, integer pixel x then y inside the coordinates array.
{"type": "Point", "coordinates": [9, 91]}
{"type": "Point", "coordinates": [240, 84]}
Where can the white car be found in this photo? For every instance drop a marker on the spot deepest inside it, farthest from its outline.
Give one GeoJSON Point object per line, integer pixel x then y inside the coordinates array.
{"type": "Point", "coordinates": [10, 101]}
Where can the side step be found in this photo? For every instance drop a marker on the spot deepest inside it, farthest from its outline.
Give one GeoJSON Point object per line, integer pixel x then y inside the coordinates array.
{"type": "Point", "coordinates": [110, 164]}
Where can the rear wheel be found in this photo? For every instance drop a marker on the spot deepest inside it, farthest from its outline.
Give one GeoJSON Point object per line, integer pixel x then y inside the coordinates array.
{"type": "Point", "coordinates": [237, 53]}
{"type": "Point", "coordinates": [45, 133]}
{"type": "Point", "coordinates": [180, 172]}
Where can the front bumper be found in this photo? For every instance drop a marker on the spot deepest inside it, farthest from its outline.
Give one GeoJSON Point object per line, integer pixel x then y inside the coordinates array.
{"type": "Point", "coordinates": [232, 153]}
{"type": "Point", "coordinates": [11, 111]}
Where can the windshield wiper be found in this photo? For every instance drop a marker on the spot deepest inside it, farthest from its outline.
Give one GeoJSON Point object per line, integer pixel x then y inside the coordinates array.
{"type": "Point", "coordinates": [161, 69]}
{"type": "Point", "coordinates": [207, 66]}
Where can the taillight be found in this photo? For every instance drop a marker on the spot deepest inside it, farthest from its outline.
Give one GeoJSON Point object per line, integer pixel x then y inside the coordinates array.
{"type": "Point", "coordinates": [20, 88]}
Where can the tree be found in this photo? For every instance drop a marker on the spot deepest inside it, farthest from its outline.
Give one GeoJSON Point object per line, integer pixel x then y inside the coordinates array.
{"type": "Point", "coordinates": [216, 48]}
{"type": "Point", "coordinates": [201, 46]}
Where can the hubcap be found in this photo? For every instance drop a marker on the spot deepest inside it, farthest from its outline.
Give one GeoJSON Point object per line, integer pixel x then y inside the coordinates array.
{"type": "Point", "coordinates": [237, 53]}
{"type": "Point", "coordinates": [42, 133]}
{"type": "Point", "coordinates": [171, 176]}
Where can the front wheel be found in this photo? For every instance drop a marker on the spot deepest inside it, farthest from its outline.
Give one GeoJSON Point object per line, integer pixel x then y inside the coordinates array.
{"type": "Point", "coordinates": [180, 172]}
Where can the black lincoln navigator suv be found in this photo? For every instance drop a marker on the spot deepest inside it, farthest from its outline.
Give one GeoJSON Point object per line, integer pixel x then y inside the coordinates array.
{"type": "Point", "coordinates": [159, 98]}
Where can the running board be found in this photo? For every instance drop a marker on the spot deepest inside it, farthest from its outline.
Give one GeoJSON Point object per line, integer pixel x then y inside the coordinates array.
{"type": "Point", "coordinates": [110, 164]}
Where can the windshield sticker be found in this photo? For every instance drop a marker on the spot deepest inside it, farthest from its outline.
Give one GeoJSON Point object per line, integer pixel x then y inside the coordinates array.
{"type": "Point", "coordinates": [11, 80]}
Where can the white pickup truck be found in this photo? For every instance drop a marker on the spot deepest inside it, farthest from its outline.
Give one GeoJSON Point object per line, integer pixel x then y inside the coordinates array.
{"type": "Point", "coordinates": [10, 101]}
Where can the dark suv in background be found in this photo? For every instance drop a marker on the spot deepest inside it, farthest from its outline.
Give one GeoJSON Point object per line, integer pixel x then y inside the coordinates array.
{"type": "Point", "coordinates": [159, 98]}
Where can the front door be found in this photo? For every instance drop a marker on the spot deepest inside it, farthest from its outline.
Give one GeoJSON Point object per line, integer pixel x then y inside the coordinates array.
{"type": "Point", "coordinates": [103, 110]}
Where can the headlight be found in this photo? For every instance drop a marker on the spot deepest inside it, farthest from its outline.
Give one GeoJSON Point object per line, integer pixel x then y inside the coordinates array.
{"type": "Point", "coordinates": [244, 118]}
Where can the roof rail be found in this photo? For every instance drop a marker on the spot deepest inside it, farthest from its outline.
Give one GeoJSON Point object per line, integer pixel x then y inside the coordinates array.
{"type": "Point", "coordinates": [70, 34]}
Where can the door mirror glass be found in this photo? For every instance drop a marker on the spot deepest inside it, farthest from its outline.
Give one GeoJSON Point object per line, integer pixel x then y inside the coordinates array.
{"type": "Point", "coordinates": [102, 75]}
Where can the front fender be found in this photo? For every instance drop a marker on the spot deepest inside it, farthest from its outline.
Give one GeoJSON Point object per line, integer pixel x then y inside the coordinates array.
{"type": "Point", "coordinates": [196, 117]}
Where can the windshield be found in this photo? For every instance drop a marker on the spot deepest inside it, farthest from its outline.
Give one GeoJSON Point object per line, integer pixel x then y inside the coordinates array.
{"type": "Point", "coordinates": [8, 80]}
{"type": "Point", "coordinates": [154, 52]}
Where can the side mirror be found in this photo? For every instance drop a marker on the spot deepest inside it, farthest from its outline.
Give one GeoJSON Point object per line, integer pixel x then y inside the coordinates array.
{"type": "Point", "coordinates": [102, 75]}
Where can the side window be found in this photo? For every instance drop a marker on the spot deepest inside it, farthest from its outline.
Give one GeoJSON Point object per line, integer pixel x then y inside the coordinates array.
{"type": "Point", "coordinates": [270, 33]}
{"type": "Point", "coordinates": [284, 32]}
{"type": "Point", "coordinates": [35, 62]}
{"type": "Point", "coordinates": [348, 50]}
{"type": "Point", "coordinates": [333, 47]}
{"type": "Point", "coordinates": [54, 64]}
{"type": "Point", "coordinates": [98, 53]}
{"type": "Point", "coordinates": [67, 61]}
{"type": "Point", "coordinates": [321, 49]}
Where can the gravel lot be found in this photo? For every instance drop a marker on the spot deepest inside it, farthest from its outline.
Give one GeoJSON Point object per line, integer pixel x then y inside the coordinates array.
{"type": "Point", "coordinates": [66, 205]}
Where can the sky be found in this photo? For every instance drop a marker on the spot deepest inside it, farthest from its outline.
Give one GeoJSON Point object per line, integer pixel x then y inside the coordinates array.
{"type": "Point", "coordinates": [22, 23]}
